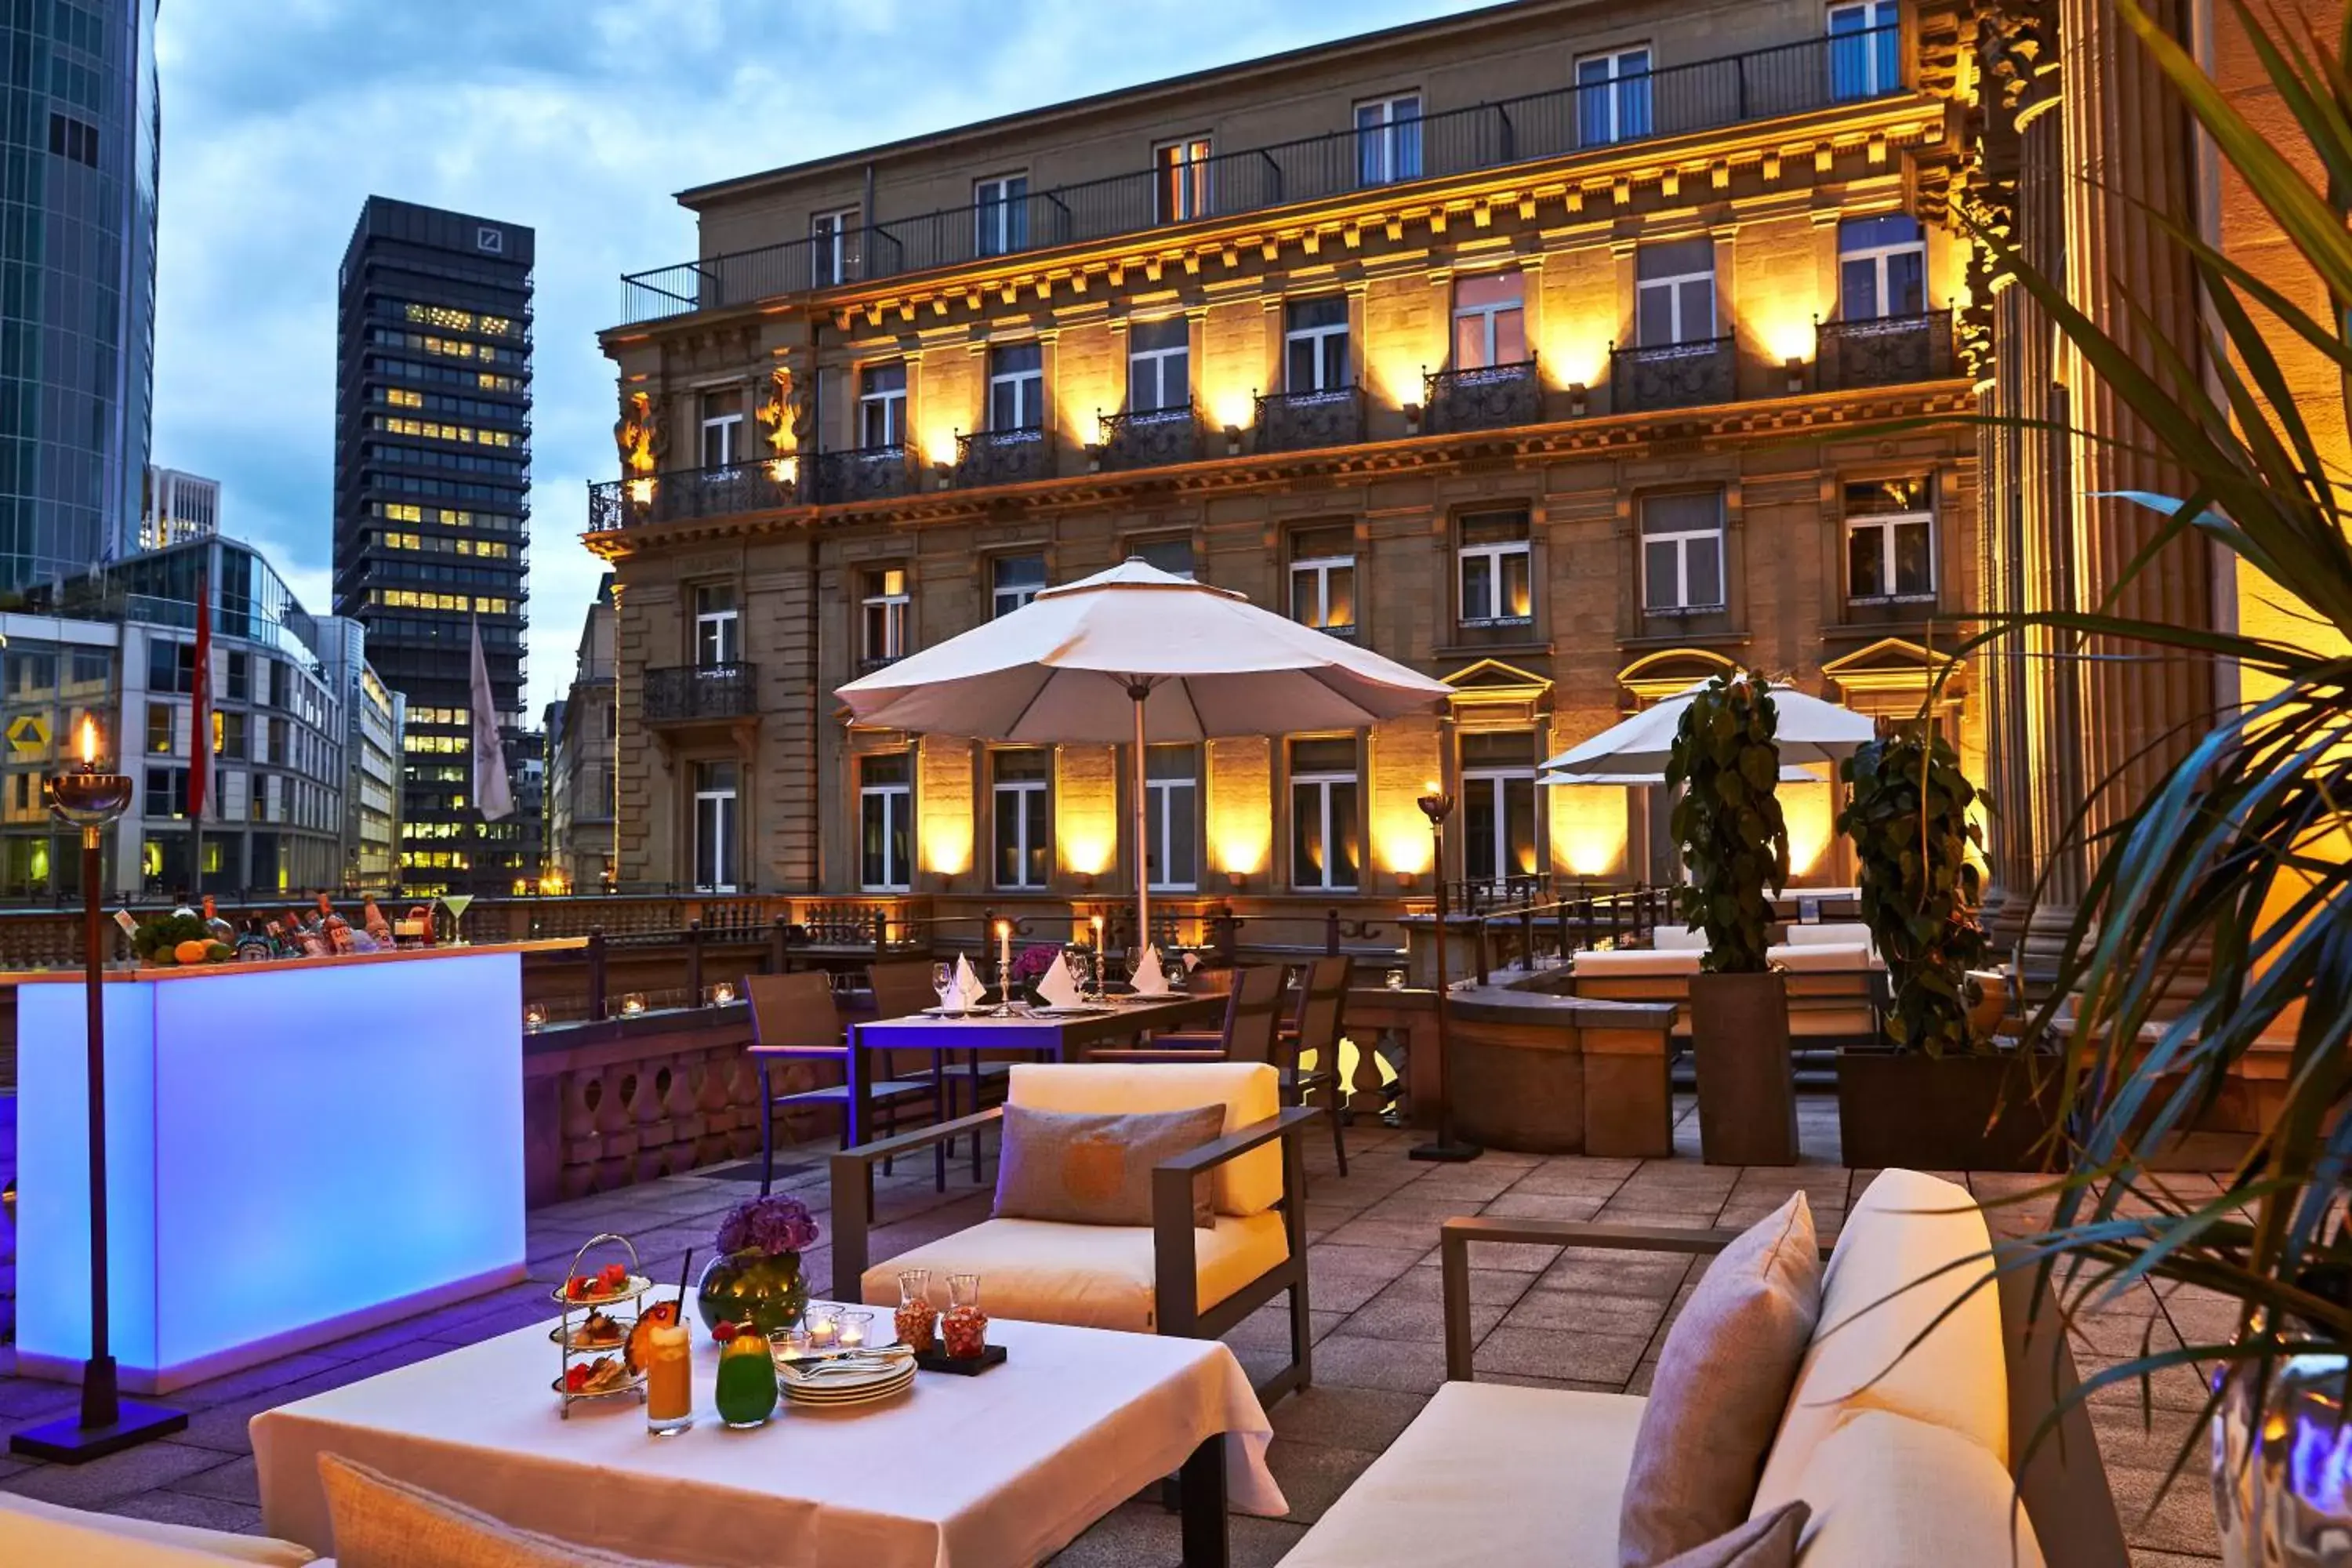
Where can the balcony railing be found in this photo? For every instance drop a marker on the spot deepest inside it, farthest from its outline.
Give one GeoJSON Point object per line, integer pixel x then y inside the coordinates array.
{"type": "Point", "coordinates": [1004, 457]}
{"type": "Point", "coordinates": [1674, 375]}
{"type": "Point", "coordinates": [1301, 421]}
{"type": "Point", "coordinates": [1490, 397]}
{"type": "Point", "coordinates": [691, 693]}
{"type": "Point", "coordinates": [1704, 95]}
{"type": "Point", "coordinates": [1888, 351]}
{"type": "Point", "coordinates": [685, 493]}
{"type": "Point", "coordinates": [863, 473]}
{"type": "Point", "coordinates": [1150, 439]}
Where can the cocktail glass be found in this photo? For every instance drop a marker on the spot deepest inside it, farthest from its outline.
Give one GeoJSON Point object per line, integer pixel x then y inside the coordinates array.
{"type": "Point", "coordinates": [746, 1391]}
{"type": "Point", "coordinates": [456, 904]}
{"type": "Point", "coordinates": [670, 1380]}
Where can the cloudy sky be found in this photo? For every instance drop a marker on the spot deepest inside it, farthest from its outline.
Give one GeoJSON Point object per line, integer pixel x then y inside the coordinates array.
{"type": "Point", "coordinates": [580, 119]}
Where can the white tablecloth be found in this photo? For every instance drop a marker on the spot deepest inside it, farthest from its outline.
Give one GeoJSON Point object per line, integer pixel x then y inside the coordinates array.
{"type": "Point", "coordinates": [1003, 1468]}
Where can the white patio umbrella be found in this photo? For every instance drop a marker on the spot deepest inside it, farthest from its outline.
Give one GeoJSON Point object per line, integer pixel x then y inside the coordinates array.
{"type": "Point", "coordinates": [1810, 730]}
{"type": "Point", "coordinates": [1136, 655]}
{"type": "Point", "coordinates": [1790, 773]}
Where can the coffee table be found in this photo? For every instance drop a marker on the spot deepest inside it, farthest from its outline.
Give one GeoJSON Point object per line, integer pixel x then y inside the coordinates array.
{"type": "Point", "coordinates": [993, 1471]}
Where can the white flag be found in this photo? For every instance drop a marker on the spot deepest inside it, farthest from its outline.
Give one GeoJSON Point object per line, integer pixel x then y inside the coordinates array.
{"type": "Point", "coordinates": [491, 790]}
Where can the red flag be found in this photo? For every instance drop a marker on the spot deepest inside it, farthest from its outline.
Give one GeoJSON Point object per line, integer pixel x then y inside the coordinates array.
{"type": "Point", "coordinates": [200, 768]}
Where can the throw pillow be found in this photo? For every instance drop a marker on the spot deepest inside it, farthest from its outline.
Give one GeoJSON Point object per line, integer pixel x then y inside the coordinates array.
{"type": "Point", "coordinates": [380, 1522]}
{"type": "Point", "coordinates": [1722, 1383]}
{"type": "Point", "coordinates": [1087, 1168]}
{"type": "Point", "coordinates": [1769, 1540]}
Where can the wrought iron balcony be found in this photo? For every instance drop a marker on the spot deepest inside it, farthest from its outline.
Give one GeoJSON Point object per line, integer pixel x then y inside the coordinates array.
{"type": "Point", "coordinates": [1302, 421]}
{"type": "Point", "coordinates": [1004, 457]}
{"type": "Point", "coordinates": [1490, 397]}
{"type": "Point", "coordinates": [1674, 375]}
{"type": "Point", "coordinates": [697, 693]}
{"type": "Point", "coordinates": [688, 493]}
{"type": "Point", "coordinates": [863, 473]}
{"type": "Point", "coordinates": [1885, 351]}
{"type": "Point", "coordinates": [1150, 438]}
{"type": "Point", "coordinates": [1702, 95]}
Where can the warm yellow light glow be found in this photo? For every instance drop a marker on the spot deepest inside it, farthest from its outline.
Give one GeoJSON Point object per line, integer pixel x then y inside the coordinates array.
{"type": "Point", "coordinates": [1812, 821]}
{"type": "Point", "coordinates": [1085, 809]}
{"type": "Point", "coordinates": [1784, 326]}
{"type": "Point", "coordinates": [1396, 375]}
{"type": "Point", "coordinates": [1003, 929]}
{"type": "Point", "coordinates": [939, 444]}
{"type": "Point", "coordinates": [1430, 786]}
{"type": "Point", "coordinates": [947, 840]}
{"type": "Point", "coordinates": [1229, 405]}
{"type": "Point", "coordinates": [1405, 846]}
{"type": "Point", "coordinates": [785, 471]}
{"type": "Point", "coordinates": [641, 491]}
{"type": "Point", "coordinates": [1089, 854]}
{"type": "Point", "coordinates": [1587, 828]}
{"type": "Point", "coordinates": [88, 741]}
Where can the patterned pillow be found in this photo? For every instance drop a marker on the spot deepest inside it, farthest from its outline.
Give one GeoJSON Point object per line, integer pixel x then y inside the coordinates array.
{"type": "Point", "coordinates": [380, 1522]}
{"type": "Point", "coordinates": [1086, 1168]}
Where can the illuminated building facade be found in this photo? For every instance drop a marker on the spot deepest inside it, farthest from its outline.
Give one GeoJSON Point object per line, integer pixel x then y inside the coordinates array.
{"type": "Point", "coordinates": [1548, 349]}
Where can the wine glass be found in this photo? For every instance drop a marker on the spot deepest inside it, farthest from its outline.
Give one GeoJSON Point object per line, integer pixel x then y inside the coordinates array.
{"type": "Point", "coordinates": [456, 904]}
{"type": "Point", "coordinates": [943, 984]}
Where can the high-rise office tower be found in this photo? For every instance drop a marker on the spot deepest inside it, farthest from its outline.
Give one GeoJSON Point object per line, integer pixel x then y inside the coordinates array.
{"type": "Point", "coordinates": [433, 504]}
{"type": "Point", "coordinates": [81, 131]}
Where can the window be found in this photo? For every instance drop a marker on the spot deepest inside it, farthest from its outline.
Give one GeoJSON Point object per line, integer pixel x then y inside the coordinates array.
{"type": "Point", "coordinates": [1498, 807]}
{"type": "Point", "coordinates": [1020, 785]}
{"type": "Point", "coordinates": [279, 731]}
{"type": "Point", "coordinates": [1172, 553]}
{"type": "Point", "coordinates": [1016, 387]}
{"type": "Point", "coordinates": [1012, 582]}
{"type": "Point", "coordinates": [1494, 562]}
{"type": "Point", "coordinates": [1172, 817]}
{"type": "Point", "coordinates": [722, 428]}
{"type": "Point", "coordinates": [1388, 140]}
{"type": "Point", "coordinates": [1182, 179]}
{"type": "Point", "coordinates": [883, 610]}
{"type": "Point", "coordinates": [999, 206]}
{"type": "Point", "coordinates": [1890, 541]}
{"type": "Point", "coordinates": [1325, 852]}
{"type": "Point", "coordinates": [160, 741]}
{"type": "Point", "coordinates": [1682, 552]}
{"type": "Point", "coordinates": [1882, 267]}
{"type": "Point", "coordinates": [882, 404]}
{"type": "Point", "coordinates": [240, 677]}
{"type": "Point", "coordinates": [832, 247]}
{"type": "Point", "coordinates": [716, 831]}
{"type": "Point", "coordinates": [228, 735]}
{"type": "Point", "coordinates": [75, 139]}
{"type": "Point", "coordinates": [1490, 324]}
{"type": "Point", "coordinates": [718, 625]}
{"type": "Point", "coordinates": [1158, 365]}
{"type": "Point", "coordinates": [1865, 50]}
{"type": "Point", "coordinates": [1315, 345]}
{"type": "Point", "coordinates": [1674, 296]}
{"type": "Point", "coordinates": [1612, 97]}
{"type": "Point", "coordinates": [886, 822]}
{"type": "Point", "coordinates": [170, 666]}
{"type": "Point", "coordinates": [1323, 579]}
{"type": "Point", "coordinates": [167, 792]}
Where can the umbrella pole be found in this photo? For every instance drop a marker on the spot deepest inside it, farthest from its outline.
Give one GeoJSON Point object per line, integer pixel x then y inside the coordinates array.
{"type": "Point", "coordinates": [1140, 691]}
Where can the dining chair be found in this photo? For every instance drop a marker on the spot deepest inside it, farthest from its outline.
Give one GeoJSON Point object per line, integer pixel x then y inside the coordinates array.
{"type": "Point", "coordinates": [1252, 1016]}
{"type": "Point", "coordinates": [794, 1019]}
{"type": "Point", "coordinates": [1315, 1024]}
{"type": "Point", "coordinates": [902, 988]}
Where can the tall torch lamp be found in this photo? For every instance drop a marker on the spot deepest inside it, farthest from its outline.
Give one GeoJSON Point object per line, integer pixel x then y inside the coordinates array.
{"type": "Point", "coordinates": [107, 1424]}
{"type": "Point", "coordinates": [1437, 806]}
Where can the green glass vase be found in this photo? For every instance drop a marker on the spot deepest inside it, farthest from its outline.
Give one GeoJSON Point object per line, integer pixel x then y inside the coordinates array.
{"type": "Point", "coordinates": [765, 1290]}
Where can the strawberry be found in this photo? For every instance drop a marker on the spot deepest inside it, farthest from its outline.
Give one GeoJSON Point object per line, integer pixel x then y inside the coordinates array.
{"type": "Point", "coordinates": [723, 1332]}
{"type": "Point", "coordinates": [614, 1275]}
{"type": "Point", "coordinates": [577, 1286]}
{"type": "Point", "coordinates": [575, 1377]}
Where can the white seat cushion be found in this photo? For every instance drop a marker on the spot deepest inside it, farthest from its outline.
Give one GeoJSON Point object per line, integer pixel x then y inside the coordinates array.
{"type": "Point", "coordinates": [1082, 1276]}
{"type": "Point", "coordinates": [1906, 1227]}
{"type": "Point", "coordinates": [1889, 1492]}
{"type": "Point", "coordinates": [33, 1531]}
{"type": "Point", "coordinates": [1824, 955]}
{"type": "Point", "coordinates": [1666, 937]}
{"type": "Point", "coordinates": [1640, 961]}
{"type": "Point", "coordinates": [1488, 1474]}
{"type": "Point", "coordinates": [1829, 934]}
{"type": "Point", "coordinates": [1251, 1092]}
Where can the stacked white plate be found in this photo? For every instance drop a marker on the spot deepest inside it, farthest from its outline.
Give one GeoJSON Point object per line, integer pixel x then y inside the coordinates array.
{"type": "Point", "coordinates": [844, 1384]}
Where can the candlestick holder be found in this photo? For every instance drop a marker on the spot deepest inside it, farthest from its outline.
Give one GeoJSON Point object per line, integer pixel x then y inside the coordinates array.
{"type": "Point", "coordinates": [1437, 806]}
{"type": "Point", "coordinates": [1003, 1008]}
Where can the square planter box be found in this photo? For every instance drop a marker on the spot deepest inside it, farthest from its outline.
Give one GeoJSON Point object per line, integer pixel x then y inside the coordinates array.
{"type": "Point", "coordinates": [1938, 1113]}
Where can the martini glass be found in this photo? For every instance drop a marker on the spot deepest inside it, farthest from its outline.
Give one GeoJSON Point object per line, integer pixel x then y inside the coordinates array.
{"type": "Point", "coordinates": [456, 904]}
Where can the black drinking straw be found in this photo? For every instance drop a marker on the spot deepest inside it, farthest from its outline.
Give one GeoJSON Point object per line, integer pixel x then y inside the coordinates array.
{"type": "Point", "coordinates": [685, 1271]}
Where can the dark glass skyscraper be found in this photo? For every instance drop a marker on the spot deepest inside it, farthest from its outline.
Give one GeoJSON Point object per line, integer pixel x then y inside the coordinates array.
{"type": "Point", "coordinates": [80, 130]}
{"type": "Point", "coordinates": [433, 505]}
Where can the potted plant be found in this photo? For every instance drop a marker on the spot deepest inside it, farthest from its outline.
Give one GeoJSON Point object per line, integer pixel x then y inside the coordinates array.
{"type": "Point", "coordinates": [1934, 1094]}
{"type": "Point", "coordinates": [755, 1275]}
{"type": "Point", "coordinates": [1734, 844]}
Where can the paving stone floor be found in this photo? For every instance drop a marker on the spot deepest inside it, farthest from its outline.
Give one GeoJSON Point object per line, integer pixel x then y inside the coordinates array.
{"type": "Point", "coordinates": [1578, 1320]}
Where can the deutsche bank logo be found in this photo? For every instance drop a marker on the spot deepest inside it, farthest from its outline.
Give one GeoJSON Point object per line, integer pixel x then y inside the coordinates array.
{"type": "Point", "coordinates": [490, 239]}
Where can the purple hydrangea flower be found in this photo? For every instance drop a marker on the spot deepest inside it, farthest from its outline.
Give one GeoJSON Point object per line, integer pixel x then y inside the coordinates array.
{"type": "Point", "coordinates": [1031, 964]}
{"type": "Point", "coordinates": [768, 1226]}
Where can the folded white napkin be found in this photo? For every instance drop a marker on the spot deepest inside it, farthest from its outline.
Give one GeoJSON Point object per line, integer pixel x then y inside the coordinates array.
{"type": "Point", "coordinates": [1192, 961]}
{"type": "Point", "coordinates": [1056, 988]}
{"type": "Point", "coordinates": [1151, 980]}
{"type": "Point", "coordinates": [966, 986]}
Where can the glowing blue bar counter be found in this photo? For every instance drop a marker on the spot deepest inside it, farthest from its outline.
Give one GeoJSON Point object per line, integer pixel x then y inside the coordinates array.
{"type": "Point", "coordinates": [296, 1151]}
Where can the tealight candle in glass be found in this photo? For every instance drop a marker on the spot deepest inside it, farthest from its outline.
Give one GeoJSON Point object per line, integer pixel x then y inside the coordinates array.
{"type": "Point", "coordinates": [632, 1004]}
{"type": "Point", "coordinates": [823, 1325]}
{"type": "Point", "coordinates": [857, 1327]}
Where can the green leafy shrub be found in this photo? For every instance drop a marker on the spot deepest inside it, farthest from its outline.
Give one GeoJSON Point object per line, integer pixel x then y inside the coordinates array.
{"type": "Point", "coordinates": [1728, 819]}
{"type": "Point", "coordinates": [1908, 815]}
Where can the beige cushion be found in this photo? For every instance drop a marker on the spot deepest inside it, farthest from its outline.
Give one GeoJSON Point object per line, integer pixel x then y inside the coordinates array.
{"type": "Point", "coordinates": [1640, 961]}
{"type": "Point", "coordinates": [1905, 1229]}
{"type": "Point", "coordinates": [1251, 1092]}
{"type": "Point", "coordinates": [33, 1531]}
{"type": "Point", "coordinates": [1092, 1168]}
{"type": "Point", "coordinates": [1829, 934]}
{"type": "Point", "coordinates": [1082, 1276]}
{"type": "Point", "coordinates": [1487, 1475]}
{"type": "Point", "coordinates": [1667, 937]}
{"type": "Point", "coordinates": [1722, 1381]}
{"type": "Point", "coordinates": [1821, 956]}
{"type": "Point", "coordinates": [380, 1522]}
{"type": "Point", "coordinates": [1888, 1492]}
{"type": "Point", "coordinates": [1770, 1541]}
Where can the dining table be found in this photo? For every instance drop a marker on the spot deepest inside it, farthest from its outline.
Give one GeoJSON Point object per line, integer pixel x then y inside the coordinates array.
{"type": "Point", "coordinates": [1041, 1033]}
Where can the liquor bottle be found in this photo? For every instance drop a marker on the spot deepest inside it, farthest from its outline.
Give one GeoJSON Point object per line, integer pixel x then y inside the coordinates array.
{"type": "Point", "coordinates": [222, 931]}
{"type": "Point", "coordinates": [373, 920]}
{"type": "Point", "coordinates": [253, 947]}
{"type": "Point", "coordinates": [278, 946]}
{"type": "Point", "coordinates": [338, 932]}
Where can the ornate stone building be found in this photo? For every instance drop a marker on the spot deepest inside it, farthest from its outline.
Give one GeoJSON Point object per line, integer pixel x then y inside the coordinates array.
{"type": "Point", "coordinates": [1569, 351]}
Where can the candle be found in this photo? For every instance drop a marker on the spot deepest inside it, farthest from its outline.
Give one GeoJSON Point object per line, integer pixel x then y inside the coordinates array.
{"type": "Point", "coordinates": [821, 1333]}
{"type": "Point", "coordinates": [1004, 945]}
{"type": "Point", "coordinates": [89, 742]}
{"type": "Point", "coordinates": [853, 1330]}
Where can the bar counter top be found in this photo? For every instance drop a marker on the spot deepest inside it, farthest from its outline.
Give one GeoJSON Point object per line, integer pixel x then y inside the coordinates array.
{"type": "Point", "coordinates": [74, 976]}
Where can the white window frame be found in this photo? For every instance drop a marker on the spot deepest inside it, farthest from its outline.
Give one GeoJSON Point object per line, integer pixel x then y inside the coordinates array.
{"type": "Point", "coordinates": [1028, 387]}
{"type": "Point", "coordinates": [1162, 811]}
{"type": "Point", "coordinates": [892, 619]}
{"type": "Point", "coordinates": [1156, 359]}
{"type": "Point", "coordinates": [1886, 523]}
{"type": "Point", "coordinates": [1312, 573]}
{"type": "Point", "coordinates": [1322, 780]}
{"type": "Point", "coordinates": [1324, 369]}
{"type": "Point", "coordinates": [1002, 600]}
{"type": "Point", "coordinates": [722, 806]}
{"type": "Point", "coordinates": [1496, 781]}
{"type": "Point", "coordinates": [1382, 135]}
{"type": "Point", "coordinates": [1674, 286]}
{"type": "Point", "coordinates": [1013, 794]}
{"type": "Point", "coordinates": [898, 802]}
{"type": "Point", "coordinates": [1877, 17]}
{"type": "Point", "coordinates": [993, 205]}
{"type": "Point", "coordinates": [719, 631]}
{"type": "Point", "coordinates": [728, 428]}
{"type": "Point", "coordinates": [1487, 316]}
{"type": "Point", "coordinates": [1180, 183]}
{"type": "Point", "coordinates": [1878, 256]}
{"type": "Point", "coordinates": [1497, 612]}
{"type": "Point", "coordinates": [891, 405]}
{"type": "Point", "coordinates": [830, 262]}
{"type": "Point", "coordinates": [1683, 539]}
{"type": "Point", "coordinates": [1612, 85]}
